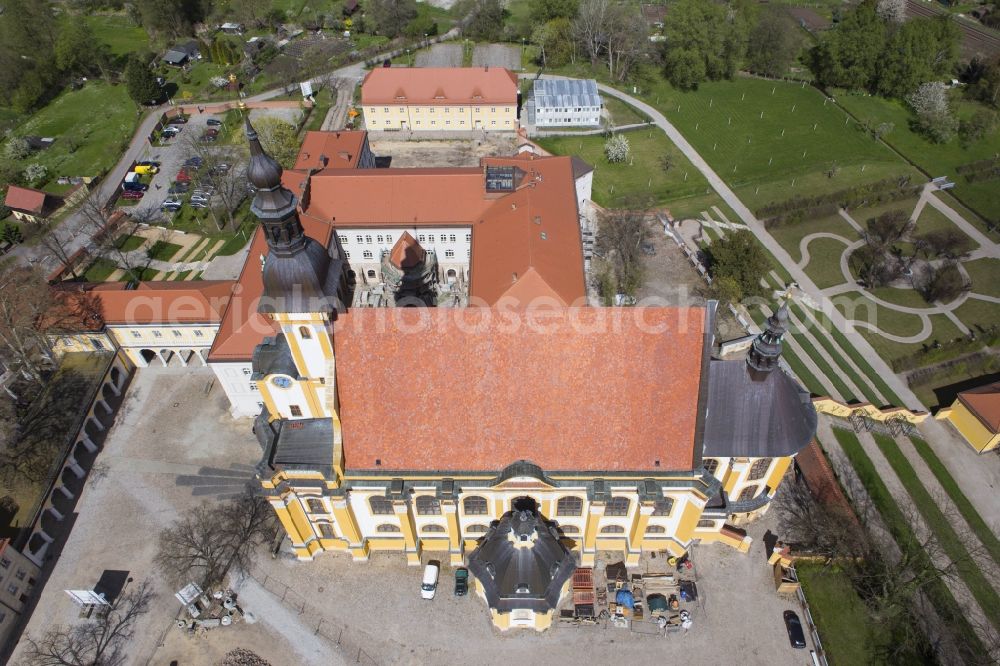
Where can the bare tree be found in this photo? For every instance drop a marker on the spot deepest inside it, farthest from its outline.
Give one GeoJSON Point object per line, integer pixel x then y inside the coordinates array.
{"type": "Point", "coordinates": [590, 27]}
{"type": "Point", "coordinates": [27, 318]}
{"type": "Point", "coordinates": [59, 247]}
{"type": "Point", "coordinates": [620, 235]}
{"type": "Point", "coordinates": [108, 228]}
{"type": "Point", "coordinates": [213, 538]}
{"type": "Point", "coordinates": [223, 170]}
{"type": "Point", "coordinates": [626, 34]}
{"type": "Point", "coordinates": [101, 642]}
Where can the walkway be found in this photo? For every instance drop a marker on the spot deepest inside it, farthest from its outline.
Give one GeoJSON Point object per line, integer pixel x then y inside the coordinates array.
{"type": "Point", "coordinates": [600, 130]}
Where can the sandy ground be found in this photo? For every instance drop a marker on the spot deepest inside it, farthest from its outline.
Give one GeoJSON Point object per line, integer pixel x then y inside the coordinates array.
{"type": "Point", "coordinates": [421, 153]}
{"type": "Point", "coordinates": [172, 446]}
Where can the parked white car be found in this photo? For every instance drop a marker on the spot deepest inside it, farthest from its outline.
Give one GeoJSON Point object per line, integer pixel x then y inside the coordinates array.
{"type": "Point", "coordinates": [430, 583]}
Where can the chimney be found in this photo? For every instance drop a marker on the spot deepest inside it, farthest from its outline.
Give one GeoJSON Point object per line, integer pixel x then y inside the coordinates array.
{"type": "Point", "coordinates": [323, 161]}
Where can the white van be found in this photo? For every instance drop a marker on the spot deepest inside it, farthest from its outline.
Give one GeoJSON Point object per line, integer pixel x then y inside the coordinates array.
{"type": "Point", "coordinates": [430, 582]}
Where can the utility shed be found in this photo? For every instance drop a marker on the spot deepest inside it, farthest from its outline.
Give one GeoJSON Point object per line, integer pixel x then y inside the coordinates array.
{"type": "Point", "coordinates": [566, 102]}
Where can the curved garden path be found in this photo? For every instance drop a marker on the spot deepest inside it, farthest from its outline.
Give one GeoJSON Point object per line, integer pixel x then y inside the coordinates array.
{"type": "Point", "coordinates": [804, 244]}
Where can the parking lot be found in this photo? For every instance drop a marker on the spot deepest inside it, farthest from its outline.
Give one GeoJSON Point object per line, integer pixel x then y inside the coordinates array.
{"type": "Point", "coordinates": [440, 55]}
{"type": "Point", "coordinates": [497, 55]}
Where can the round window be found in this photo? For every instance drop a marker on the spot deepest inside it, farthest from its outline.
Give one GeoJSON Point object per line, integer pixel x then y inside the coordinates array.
{"type": "Point", "coordinates": [282, 382]}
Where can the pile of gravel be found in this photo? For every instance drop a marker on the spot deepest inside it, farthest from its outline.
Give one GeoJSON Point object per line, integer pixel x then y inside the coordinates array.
{"type": "Point", "coordinates": [244, 657]}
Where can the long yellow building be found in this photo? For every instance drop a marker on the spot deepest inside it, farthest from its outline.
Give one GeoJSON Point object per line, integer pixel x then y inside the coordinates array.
{"type": "Point", "coordinates": [459, 430]}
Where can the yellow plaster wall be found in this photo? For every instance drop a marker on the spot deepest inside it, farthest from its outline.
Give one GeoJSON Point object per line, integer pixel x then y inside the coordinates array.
{"type": "Point", "coordinates": [971, 428]}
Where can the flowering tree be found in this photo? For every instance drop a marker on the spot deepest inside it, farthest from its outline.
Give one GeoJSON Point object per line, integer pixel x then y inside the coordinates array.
{"type": "Point", "coordinates": [934, 119]}
{"type": "Point", "coordinates": [893, 11]}
{"type": "Point", "coordinates": [616, 149]}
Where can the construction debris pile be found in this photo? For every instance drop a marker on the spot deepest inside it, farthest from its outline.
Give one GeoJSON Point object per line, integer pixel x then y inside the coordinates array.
{"type": "Point", "coordinates": [244, 657]}
{"type": "Point", "coordinates": [205, 611]}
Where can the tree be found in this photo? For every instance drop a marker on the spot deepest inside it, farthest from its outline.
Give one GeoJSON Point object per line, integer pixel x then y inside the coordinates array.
{"type": "Point", "coordinates": [17, 148]}
{"type": "Point", "coordinates": [107, 228]}
{"type": "Point", "coordinates": [279, 139]}
{"type": "Point", "coordinates": [76, 50]}
{"type": "Point", "coordinates": [141, 82]}
{"type": "Point", "coordinates": [920, 50]}
{"type": "Point", "coordinates": [172, 18]}
{"type": "Point", "coordinates": [625, 40]}
{"type": "Point", "coordinates": [930, 102]}
{"type": "Point", "coordinates": [555, 42]}
{"type": "Point", "coordinates": [391, 16]}
{"type": "Point", "coordinates": [11, 233]}
{"type": "Point", "coordinates": [893, 11]}
{"type": "Point", "coordinates": [214, 538]}
{"type": "Point", "coordinates": [485, 22]}
{"type": "Point", "coordinates": [849, 55]}
{"type": "Point", "coordinates": [99, 642]}
{"type": "Point", "coordinates": [888, 228]}
{"type": "Point", "coordinates": [620, 235]}
{"type": "Point", "coordinates": [949, 243]}
{"type": "Point", "coordinates": [543, 11]}
{"type": "Point", "coordinates": [35, 173]}
{"type": "Point", "coordinates": [945, 283]}
{"type": "Point", "coordinates": [987, 86]}
{"type": "Point", "coordinates": [874, 267]}
{"type": "Point", "coordinates": [981, 124]}
{"type": "Point", "coordinates": [26, 320]}
{"type": "Point", "coordinates": [616, 148]}
{"type": "Point", "coordinates": [775, 42]}
{"type": "Point", "coordinates": [589, 26]}
{"type": "Point", "coordinates": [740, 258]}
{"type": "Point", "coordinates": [705, 40]}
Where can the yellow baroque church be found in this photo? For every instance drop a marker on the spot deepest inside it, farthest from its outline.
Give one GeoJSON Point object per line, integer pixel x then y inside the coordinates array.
{"type": "Point", "coordinates": [528, 420]}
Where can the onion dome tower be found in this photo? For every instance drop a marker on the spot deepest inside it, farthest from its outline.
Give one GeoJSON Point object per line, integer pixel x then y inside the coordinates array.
{"type": "Point", "coordinates": [300, 275]}
{"type": "Point", "coordinates": [766, 349]}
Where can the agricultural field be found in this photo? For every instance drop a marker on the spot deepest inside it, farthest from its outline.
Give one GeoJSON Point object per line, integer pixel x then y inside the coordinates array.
{"type": "Point", "coordinates": [936, 158]}
{"type": "Point", "coordinates": [641, 176]}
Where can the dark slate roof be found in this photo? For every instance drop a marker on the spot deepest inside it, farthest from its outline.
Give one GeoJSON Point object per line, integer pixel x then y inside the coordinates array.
{"type": "Point", "coordinates": [303, 443]}
{"type": "Point", "coordinates": [304, 281]}
{"type": "Point", "coordinates": [767, 416]}
{"type": "Point", "coordinates": [174, 57]}
{"type": "Point", "coordinates": [516, 576]}
{"type": "Point", "coordinates": [273, 357]}
{"type": "Point", "coordinates": [580, 167]}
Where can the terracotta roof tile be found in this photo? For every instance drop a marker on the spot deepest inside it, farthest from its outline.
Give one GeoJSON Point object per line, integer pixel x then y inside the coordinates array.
{"type": "Point", "coordinates": [984, 402]}
{"type": "Point", "coordinates": [439, 85]}
{"type": "Point", "coordinates": [569, 388]}
{"type": "Point", "coordinates": [25, 198]}
{"type": "Point", "coordinates": [406, 253]}
{"type": "Point", "coordinates": [157, 302]}
{"type": "Point", "coordinates": [341, 150]}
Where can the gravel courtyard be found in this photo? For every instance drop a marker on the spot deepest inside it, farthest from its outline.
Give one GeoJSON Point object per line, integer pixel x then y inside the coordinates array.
{"type": "Point", "coordinates": [172, 446]}
{"type": "Point", "coordinates": [497, 55]}
{"type": "Point", "coordinates": [440, 55]}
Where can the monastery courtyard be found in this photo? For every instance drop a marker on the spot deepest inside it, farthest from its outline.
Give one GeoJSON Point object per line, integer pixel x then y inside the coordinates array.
{"type": "Point", "coordinates": [174, 444]}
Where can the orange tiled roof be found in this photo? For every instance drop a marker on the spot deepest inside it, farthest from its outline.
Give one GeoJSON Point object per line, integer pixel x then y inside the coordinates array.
{"type": "Point", "coordinates": [242, 327]}
{"type": "Point", "coordinates": [341, 150]}
{"type": "Point", "coordinates": [406, 253]}
{"type": "Point", "coordinates": [570, 388]}
{"type": "Point", "coordinates": [25, 199]}
{"type": "Point", "coordinates": [439, 85]}
{"type": "Point", "coordinates": [157, 302]}
{"type": "Point", "coordinates": [984, 402]}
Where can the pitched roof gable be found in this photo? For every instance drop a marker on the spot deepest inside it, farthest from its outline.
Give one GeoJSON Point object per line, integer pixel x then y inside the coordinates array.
{"type": "Point", "coordinates": [437, 85]}
{"type": "Point", "coordinates": [984, 403]}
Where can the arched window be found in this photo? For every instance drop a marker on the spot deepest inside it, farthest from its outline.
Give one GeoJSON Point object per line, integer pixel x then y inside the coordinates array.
{"type": "Point", "coordinates": [427, 505]}
{"type": "Point", "coordinates": [315, 506]}
{"type": "Point", "coordinates": [613, 529]}
{"type": "Point", "coordinates": [663, 507]}
{"type": "Point", "coordinates": [325, 530]}
{"type": "Point", "coordinates": [432, 529]}
{"type": "Point", "coordinates": [656, 529]}
{"type": "Point", "coordinates": [617, 506]}
{"type": "Point", "coordinates": [475, 529]}
{"type": "Point", "coordinates": [758, 469]}
{"type": "Point", "coordinates": [569, 529]}
{"type": "Point", "coordinates": [305, 333]}
{"type": "Point", "coordinates": [386, 527]}
{"type": "Point", "coordinates": [380, 506]}
{"type": "Point", "coordinates": [710, 465]}
{"type": "Point", "coordinates": [371, 273]}
{"type": "Point", "coordinates": [569, 506]}
{"type": "Point", "coordinates": [706, 523]}
{"type": "Point", "coordinates": [747, 493]}
{"type": "Point", "coordinates": [474, 506]}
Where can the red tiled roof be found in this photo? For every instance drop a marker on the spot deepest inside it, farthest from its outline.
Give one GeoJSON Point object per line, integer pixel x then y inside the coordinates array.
{"type": "Point", "coordinates": [820, 479]}
{"type": "Point", "coordinates": [569, 388]}
{"type": "Point", "coordinates": [154, 302]}
{"type": "Point", "coordinates": [439, 85]}
{"type": "Point", "coordinates": [25, 199]}
{"type": "Point", "coordinates": [406, 253]}
{"type": "Point", "coordinates": [341, 149]}
{"type": "Point", "coordinates": [984, 403]}
{"type": "Point", "coordinates": [242, 327]}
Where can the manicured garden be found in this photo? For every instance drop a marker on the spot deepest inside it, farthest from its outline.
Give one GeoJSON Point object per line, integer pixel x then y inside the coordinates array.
{"type": "Point", "coordinates": [655, 170]}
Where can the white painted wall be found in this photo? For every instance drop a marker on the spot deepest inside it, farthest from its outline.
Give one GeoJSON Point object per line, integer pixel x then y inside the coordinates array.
{"type": "Point", "coordinates": [234, 377]}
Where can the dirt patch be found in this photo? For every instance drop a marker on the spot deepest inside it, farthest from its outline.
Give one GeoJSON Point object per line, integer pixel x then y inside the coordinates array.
{"type": "Point", "coordinates": [440, 55]}
{"type": "Point", "coordinates": [455, 153]}
{"type": "Point", "coordinates": [497, 55]}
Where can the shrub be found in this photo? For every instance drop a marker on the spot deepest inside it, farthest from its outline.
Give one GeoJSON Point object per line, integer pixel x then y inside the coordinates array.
{"type": "Point", "coordinates": [617, 148]}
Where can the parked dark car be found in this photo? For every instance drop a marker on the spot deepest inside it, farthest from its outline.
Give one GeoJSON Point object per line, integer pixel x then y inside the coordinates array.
{"type": "Point", "coordinates": [213, 122]}
{"type": "Point", "coordinates": [461, 581]}
{"type": "Point", "coordinates": [794, 628]}
{"type": "Point", "coordinates": [193, 162]}
{"type": "Point", "coordinates": [178, 188]}
{"type": "Point", "coordinates": [135, 187]}
{"type": "Point", "coordinates": [177, 120]}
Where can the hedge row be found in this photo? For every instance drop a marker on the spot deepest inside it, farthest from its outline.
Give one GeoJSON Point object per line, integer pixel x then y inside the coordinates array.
{"type": "Point", "coordinates": [827, 209]}
{"type": "Point", "coordinates": [799, 207]}
{"type": "Point", "coordinates": [978, 165]}
{"type": "Point", "coordinates": [947, 350]}
{"type": "Point", "coordinates": [986, 174]}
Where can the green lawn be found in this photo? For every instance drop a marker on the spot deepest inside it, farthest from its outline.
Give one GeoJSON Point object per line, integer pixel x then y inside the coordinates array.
{"type": "Point", "coordinates": [621, 113]}
{"type": "Point", "coordinates": [100, 270]}
{"type": "Point", "coordinates": [941, 527]}
{"type": "Point", "coordinates": [951, 615]}
{"type": "Point", "coordinates": [901, 296]}
{"type": "Point", "coordinates": [937, 159]}
{"type": "Point", "coordinates": [791, 235]}
{"type": "Point", "coordinates": [324, 100]}
{"type": "Point", "coordinates": [978, 315]}
{"type": "Point", "coordinates": [120, 34]}
{"type": "Point", "coordinates": [839, 613]}
{"type": "Point", "coordinates": [985, 276]}
{"type": "Point", "coordinates": [163, 251]}
{"type": "Point", "coordinates": [722, 120]}
{"type": "Point", "coordinates": [824, 262]}
{"type": "Point", "coordinates": [861, 308]}
{"type": "Point", "coordinates": [92, 126]}
{"type": "Point", "coordinates": [127, 243]}
{"type": "Point", "coordinates": [641, 176]}
{"type": "Point", "coordinates": [947, 481]}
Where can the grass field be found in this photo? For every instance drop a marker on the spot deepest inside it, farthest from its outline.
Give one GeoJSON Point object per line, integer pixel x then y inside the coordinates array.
{"type": "Point", "coordinates": [621, 113]}
{"type": "Point", "coordinates": [100, 270]}
{"type": "Point", "coordinates": [984, 274]}
{"type": "Point", "coordinates": [791, 235]}
{"type": "Point", "coordinates": [824, 262]}
{"type": "Point", "coordinates": [163, 251]}
{"type": "Point", "coordinates": [942, 528]}
{"type": "Point", "coordinates": [723, 121]}
{"type": "Point", "coordinates": [641, 176]}
{"type": "Point", "coordinates": [91, 127]}
{"type": "Point", "coordinates": [841, 616]}
{"type": "Point", "coordinates": [978, 315]}
{"type": "Point", "coordinates": [129, 243]}
{"type": "Point", "coordinates": [938, 159]}
{"type": "Point", "coordinates": [936, 590]}
{"type": "Point", "coordinates": [118, 33]}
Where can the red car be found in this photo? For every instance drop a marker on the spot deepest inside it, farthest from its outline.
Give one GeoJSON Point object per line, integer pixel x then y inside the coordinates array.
{"type": "Point", "coordinates": [183, 177]}
{"type": "Point", "coordinates": [131, 194]}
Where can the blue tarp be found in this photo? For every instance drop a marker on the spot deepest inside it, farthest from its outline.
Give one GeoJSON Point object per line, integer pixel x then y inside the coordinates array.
{"type": "Point", "coordinates": [625, 598]}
